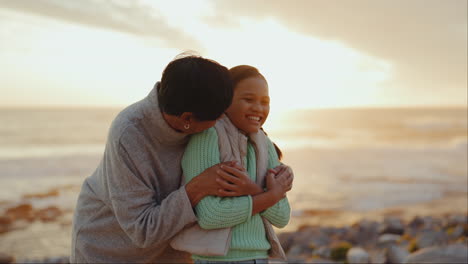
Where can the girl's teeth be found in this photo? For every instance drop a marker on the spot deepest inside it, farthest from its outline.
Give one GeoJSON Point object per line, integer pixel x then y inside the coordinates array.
{"type": "Point", "coordinates": [256, 118]}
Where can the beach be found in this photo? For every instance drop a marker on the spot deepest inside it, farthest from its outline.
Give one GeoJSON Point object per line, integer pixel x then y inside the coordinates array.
{"type": "Point", "coordinates": [351, 166]}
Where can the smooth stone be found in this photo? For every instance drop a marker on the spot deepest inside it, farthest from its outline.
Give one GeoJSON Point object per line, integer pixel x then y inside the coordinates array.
{"type": "Point", "coordinates": [377, 256]}
{"type": "Point", "coordinates": [430, 238]}
{"type": "Point", "coordinates": [298, 250]}
{"type": "Point", "coordinates": [455, 220]}
{"type": "Point", "coordinates": [431, 222]}
{"type": "Point", "coordinates": [457, 232]}
{"type": "Point", "coordinates": [22, 211]}
{"type": "Point", "coordinates": [388, 239]}
{"type": "Point", "coordinates": [294, 261]}
{"type": "Point", "coordinates": [392, 225]}
{"type": "Point", "coordinates": [396, 254]}
{"type": "Point", "coordinates": [286, 240]}
{"type": "Point", "coordinates": [339, 250]}
{"type": "Point", "coordinates": [416, 223]}
{"type": "Point", "coordinates": [324, 252]}
{"type": "Point", "coordinates": [320, 261]}
{"type": "Point", "coordinates": [363, 233]}
{"type": "Point", "coordinates": [357, 255]}
{"type": "Point", "coordinates": [457, 253]}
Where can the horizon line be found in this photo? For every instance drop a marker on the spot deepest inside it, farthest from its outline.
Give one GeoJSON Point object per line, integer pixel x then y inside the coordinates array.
{"type": "Point", "coordinates": [82, 107]}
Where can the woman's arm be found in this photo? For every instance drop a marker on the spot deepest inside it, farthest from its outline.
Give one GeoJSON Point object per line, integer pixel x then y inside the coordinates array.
{"type": "Point", "coordinates": [212, 211]}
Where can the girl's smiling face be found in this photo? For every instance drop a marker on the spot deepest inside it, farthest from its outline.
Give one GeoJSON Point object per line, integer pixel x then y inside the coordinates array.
{"type": "Point", "coordinates": [250, 105]}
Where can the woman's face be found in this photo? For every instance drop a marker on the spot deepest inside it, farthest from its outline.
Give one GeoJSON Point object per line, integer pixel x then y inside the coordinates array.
{"type": "Point", "coordinates": [250, 105]}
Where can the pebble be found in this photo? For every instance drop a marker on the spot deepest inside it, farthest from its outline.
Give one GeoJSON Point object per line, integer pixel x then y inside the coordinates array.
{"type": "Point", "coordinates": [357, 255]}
{"type": "Point", "coordinates": [433, 240]}
{"type": "Point", "coordinates": [392, 225]}
{"type": "Point", "coordinates": [388, 239]}
{"type": "Point", "coordinates": [457, 253]}
{"type": "Point", "coordinates": [429, 238]}
{"type": "Point", "coordinates": [377, 256]}
{"type": "Point", "coordinates": [396, 254]}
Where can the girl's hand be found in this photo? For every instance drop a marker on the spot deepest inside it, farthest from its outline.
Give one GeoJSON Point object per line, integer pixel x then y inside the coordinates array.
{"type": "Point", "coordinates": [284, 174]}
{"type": "Point", "coordinates": [277, 188]}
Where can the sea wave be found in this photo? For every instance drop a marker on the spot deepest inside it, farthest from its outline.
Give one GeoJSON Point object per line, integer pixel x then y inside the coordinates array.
{"type": "Point", "coordinates": [30, 151]}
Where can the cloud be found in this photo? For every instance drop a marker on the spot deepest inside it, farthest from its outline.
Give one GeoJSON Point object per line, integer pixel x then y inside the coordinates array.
{"type": "Point", "coordinates": [124, 16]}
{"type": "Point", "coordinates": [425, 40]}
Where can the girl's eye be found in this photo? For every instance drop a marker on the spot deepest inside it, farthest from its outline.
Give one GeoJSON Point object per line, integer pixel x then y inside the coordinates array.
{"type": "Point", "coordinates": [249, 100]}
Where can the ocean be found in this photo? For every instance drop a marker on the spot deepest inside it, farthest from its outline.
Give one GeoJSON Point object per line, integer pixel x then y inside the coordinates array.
{"type": "Point", "coordinates": [356, 160]}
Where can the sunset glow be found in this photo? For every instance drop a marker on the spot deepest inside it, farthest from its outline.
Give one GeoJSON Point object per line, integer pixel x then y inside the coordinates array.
{"type": "Point", "coordinates": [115, 60]}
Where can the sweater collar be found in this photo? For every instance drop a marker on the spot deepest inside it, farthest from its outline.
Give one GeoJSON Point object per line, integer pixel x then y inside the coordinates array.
{"type": "Point", "coordinates": [165, 134]}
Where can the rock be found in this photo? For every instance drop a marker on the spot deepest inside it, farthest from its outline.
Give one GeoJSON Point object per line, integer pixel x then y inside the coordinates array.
{"type": "Point", "coordinates": [22, 211]}
{"type": "Point", "coordinates": [318, 239]}
{"type": "Point", "coordinates": [429, 238]}
{"type": "Point", "coordinates": [431, 223]}
{"type": "Point", "coordinates": [339, 250]}
{"type": "Point", "coordinates": [323, 252]}
{"type": "Point", "coordinates": [377, 256]}
{"type": "Point", "coordinates": [5, 223]}
{"type": "Point", "coordinates": [455, 232]}
{"type": "Point", "coordinates": [457, 253]}
{"type": "Point", "coordinates": [319, 261]}
{"type": "Point", "coordinates": [413, 246]}
{"type": "Point", "coordinates": [357, 255]}
{"type": "Point", "coordinates": [286, 240]}
{"type": "Point", "coordinates": [416, 223]}
{"type": "Point", "coordinates": [455, 220]}
{"type": "Point", "coordinates": [311, 236]}
{"type": "Point", "coordinates": [334, 232]}
{"type": "Point", "coordinates": [291, 261]}
{"type": "Point", "coordinates": [387, 239]}
{"type": "Point", "coordinates": [364, 233]}
{"type": "Point", "coordinates": [392, 225]}
{"type": "Point", "coordinates": [298, 250]}
{"type": "Point", "coordinates": [396, 254]}
{"type": "Point", "coordinates": [5, 258]}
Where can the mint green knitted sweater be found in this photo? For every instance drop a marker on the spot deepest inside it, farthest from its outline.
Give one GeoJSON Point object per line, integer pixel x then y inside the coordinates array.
{"type": "Point", "coordinates": [248, 239]}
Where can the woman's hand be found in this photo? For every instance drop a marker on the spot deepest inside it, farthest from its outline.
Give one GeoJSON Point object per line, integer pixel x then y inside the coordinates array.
{"type": "Point", "coordinates": [205, 184]}
{"type": "Point", "coordinates": [226, 179]}
{"type": "Point", "coordinates": [234, 181]}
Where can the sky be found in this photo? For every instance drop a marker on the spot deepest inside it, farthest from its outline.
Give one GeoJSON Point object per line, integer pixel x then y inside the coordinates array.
{"type": "Point", "coordinates": [314, 53]}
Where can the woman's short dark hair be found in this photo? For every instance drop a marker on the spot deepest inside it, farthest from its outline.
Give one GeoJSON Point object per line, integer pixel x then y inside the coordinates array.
{"type": "Point", "coordinates": [197, 85]}
{"type": "Point", "coordinates": [243, 72]}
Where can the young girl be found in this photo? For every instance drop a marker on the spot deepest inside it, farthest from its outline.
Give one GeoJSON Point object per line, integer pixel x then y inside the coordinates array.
{"type": "Point", "coordinates": [238, 136]}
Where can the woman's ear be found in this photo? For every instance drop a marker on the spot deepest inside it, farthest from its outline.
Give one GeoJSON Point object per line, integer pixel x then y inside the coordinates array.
{"type": "Point", "coordinates": [187, 117]}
